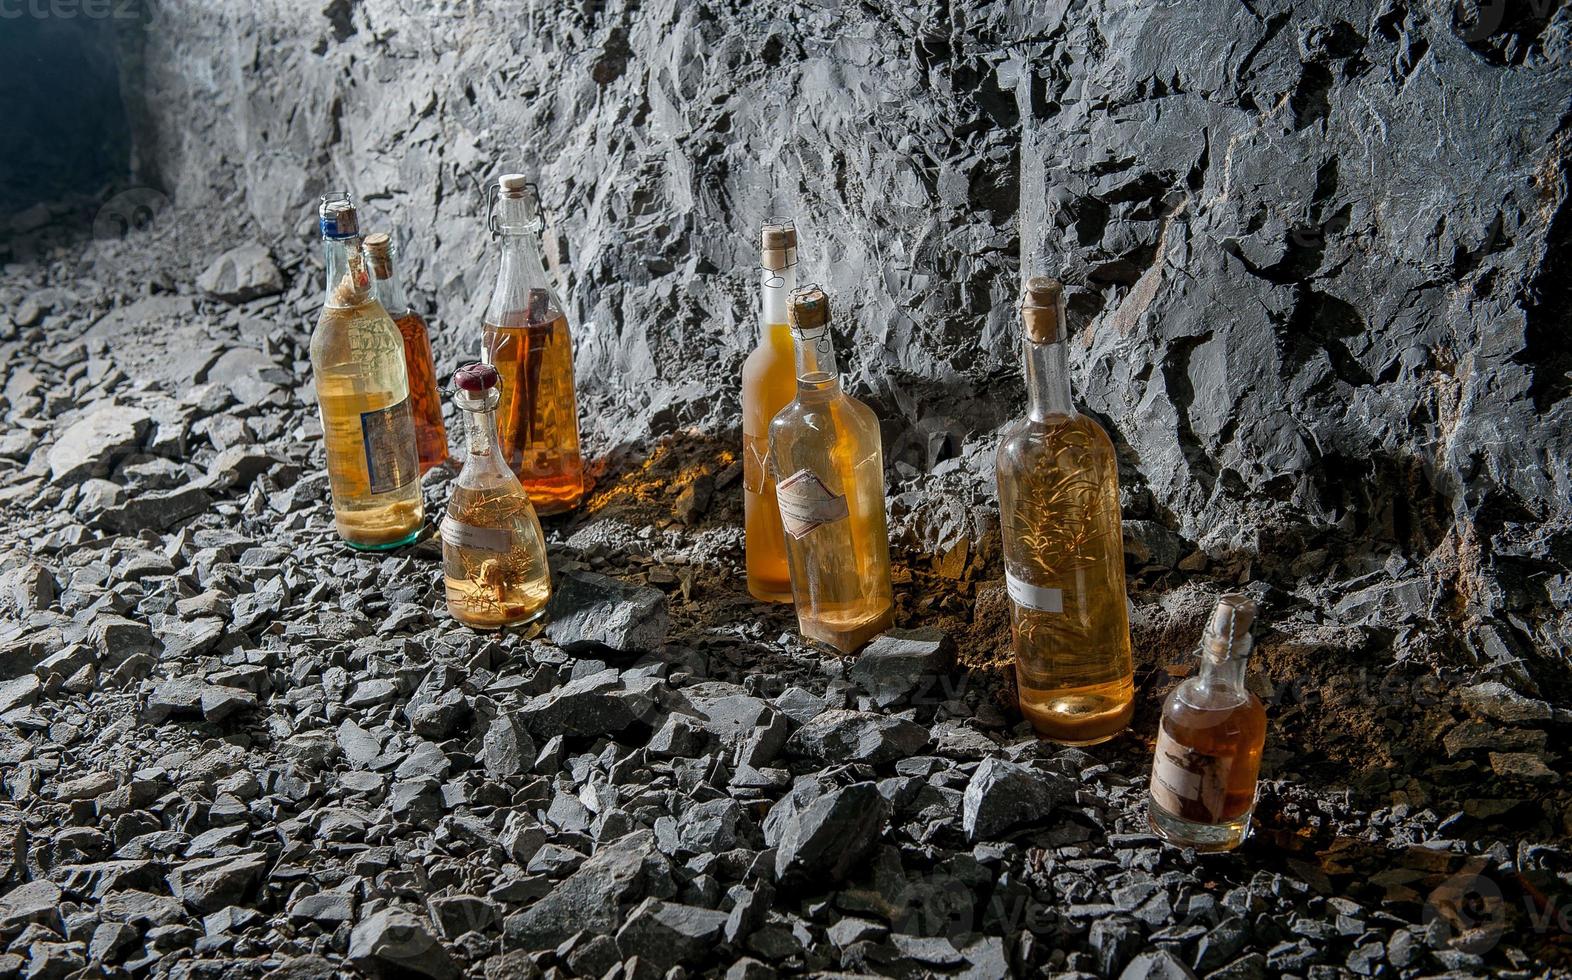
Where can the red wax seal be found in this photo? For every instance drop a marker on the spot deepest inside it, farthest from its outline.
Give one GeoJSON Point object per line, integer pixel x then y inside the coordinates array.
{"type": "Point", "coordinates": [475, 377]}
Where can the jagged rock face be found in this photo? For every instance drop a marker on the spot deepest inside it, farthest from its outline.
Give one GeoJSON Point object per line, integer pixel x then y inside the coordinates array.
{"type": "Point", "coordinates": [1317, 252]}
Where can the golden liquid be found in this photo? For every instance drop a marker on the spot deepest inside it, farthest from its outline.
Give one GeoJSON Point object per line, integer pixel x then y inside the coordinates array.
{"type": "Point", "coordinates": [358, 365]}
{"type": "Point", "coordinates": [840, 571]}
{"type": "Point", "coordinates": [1059, 507]}
{"type": "Point", "coordinates": [769, 383]}
{"type": "Point", "coordinates": [1236, 732]}
{"type": "Point", "coordinates": [486, 588]}
{"type": "Point", "coordinates": [431, 436]}
{"type": "Point", "coordinates": [538, 418]}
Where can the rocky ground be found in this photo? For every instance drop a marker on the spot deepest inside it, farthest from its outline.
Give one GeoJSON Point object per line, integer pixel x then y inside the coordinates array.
{"type": "Point", "coordinates": [230, 746]}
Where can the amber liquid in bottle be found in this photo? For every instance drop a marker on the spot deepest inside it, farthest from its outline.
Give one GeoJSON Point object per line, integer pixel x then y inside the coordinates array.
{"type": "Point", "coordinates": [527, 340]}
{"type": "Point", "coordinates": [828, 463]}
{"type": "Point", "coordinates": [1063, 550]}
{"type": "Point", "coordinates": [431, 435]}
{"type": "Point", "coordinates": [1209, 742]}
{"type": "Point", "coordinates": [769, 382]}
{"type": "Point", "coordinates": [357, 363]}
{"type": "Point", "coordinates": [493, 553]}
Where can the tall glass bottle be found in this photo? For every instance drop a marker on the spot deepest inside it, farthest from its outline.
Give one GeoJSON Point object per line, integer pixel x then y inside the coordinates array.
{"type": "Point", "coordinates": [828, 464]}
{"type": "Point", "coordinates": [527, 340]}
{"type": "Point", "coordinates": [1063, 551]}
{"type": "Point", "coordinates": [357, 361]}
{"type": "Point", "coordinates": [431, 436]}
{"type": "Point", "coordinates": [493, 552]}
{"type": "Point", "coordinates": [769, 382]}
{"type": "Point", "coordinates": [1209, 741]}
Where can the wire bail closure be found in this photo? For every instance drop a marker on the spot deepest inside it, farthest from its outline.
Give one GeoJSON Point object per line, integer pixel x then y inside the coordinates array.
{"type": "Point", "coordinates": [493, 193]}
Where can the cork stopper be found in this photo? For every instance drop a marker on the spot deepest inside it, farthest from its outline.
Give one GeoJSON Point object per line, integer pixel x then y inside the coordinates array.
{"type": "Point", "coordinates": [475, 378]}
{"type": "Point", "coordinates": [512, 185]}
{"type": "Point", "coordinates": [779, 246]}
{"type": "Point", "coordinates": [338, 217]}
{"type": "Point", "coordinates": [1230, 624]}
{"type": "Point", "coordinates": [810, 309]}
{"type": "Point", "coordinates": [379, 253]}
{"type": "Point", "coordinates": [1042, 310]}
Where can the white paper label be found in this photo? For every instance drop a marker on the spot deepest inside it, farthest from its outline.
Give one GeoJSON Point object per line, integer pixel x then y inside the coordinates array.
{"type": "Point", "coordinates": [1189, 784]}
{"type": "Point", "coordinates": [460, 535]}
{"type": "Point", "coordinates": [1034, 597]}
{"type": "Point", "coordinates": [806, 503]}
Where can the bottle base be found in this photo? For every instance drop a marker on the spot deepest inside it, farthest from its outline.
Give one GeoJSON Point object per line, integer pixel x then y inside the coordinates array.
{"type": "Point", "coordinates": [497, 624]}
{"type": "Point", "coordinates": [1206, 837]}
{"type": "Point", "coordinates": [409, 538]}
{"type": "Point", "coordinates": [764, 593]}
{"type": "Point", "coordinates": [845, 639]}
{"type": "Point", "coordinates": [1068, 719]}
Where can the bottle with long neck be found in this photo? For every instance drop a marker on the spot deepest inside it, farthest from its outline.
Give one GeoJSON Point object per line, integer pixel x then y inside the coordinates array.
{"type": "Point", "coordinates": [526, 339]}
{"type": "Point", "coordinates": [828, 463]}
{"type": "Point", "coordinates": [769, 383]}
{"type": "Point", "coordinates": [493, 552]}
{"type": "Point", "coordinates": [357, 362]}
{"type": "Point", "coordinates": [1209, 741]}
{"type": "Point", "coordinates": [431, 436]}
{"type": "Point", "coordinates": [1063, 551]}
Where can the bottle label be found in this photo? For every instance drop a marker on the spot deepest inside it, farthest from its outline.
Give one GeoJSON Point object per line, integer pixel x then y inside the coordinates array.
{"type": "Point", "coordinates": [1035, 597]}
{"type": "Point", "coordinates": [1189, 784]}
{"type": "Point", "coordinates": [806, 503]}
{"type": "Point", "coordinates": [457, 534]}
{"type": "Point", "coordinates": [389, 437]}
{"type": "Point", "coordinates": [755, 462]}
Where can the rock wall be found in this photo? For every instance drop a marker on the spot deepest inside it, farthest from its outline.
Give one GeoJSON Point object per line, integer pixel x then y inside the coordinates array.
{"type": "Point", "coordinates": [1319, 251]}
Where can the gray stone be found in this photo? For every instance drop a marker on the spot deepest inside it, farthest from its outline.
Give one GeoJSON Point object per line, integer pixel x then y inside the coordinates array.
{"type": "Point", "coordinates": [667, 933]}
{"type": "Point", "coordinates": [35, 901]}
{"type": "Point", "coordinates": [843, 735]}
{"type": "Point", "coordinates": [1158, 965]}
{"type": "Point", "coordinates": [1003, 796]}
{"type": "Point", "coordinates": [596, 897]}
{"type": "Point", "coordinates": [1496, 701]}
{"type": "Point", "coordinates": [27, 589]}
{"type": "Point", "coordinates": [242, 273]}
{"type": "Point", "coordinates": [392, 942]}
{"type": "Point", "coordinates": [589, 612]}
{"type": "Point", "coordinates": [19, 692]}
{"type": "Point", "coordinates": [827, 839]}
{"type": "Point", "coordinates": [507, 750]}
{"type": "Point", "coordinates": [158, 510]}
{"type": "Point", "coordinates": [89, 446]}
{"type": "Point", "coordinates": [905, 664]}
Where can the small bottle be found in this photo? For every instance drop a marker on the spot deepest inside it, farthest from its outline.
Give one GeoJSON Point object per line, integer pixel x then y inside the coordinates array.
{"type": "Point", "coordinates": [1063, 551]}
{"type": "Point", "coordinates": [769, 382]}
{"type": "Point", "coordinates": [828, 465]}
{"type": "Point", "coordinates": [1209, 741]}
{"type": "Point", "coordinates": [357, 362]}
{"type": "Point", "coordinates": [431, 436]}
{"type": "Point", "coordinates": [526, 340]}
{"type": "Point", "coordinates": [493, 552]}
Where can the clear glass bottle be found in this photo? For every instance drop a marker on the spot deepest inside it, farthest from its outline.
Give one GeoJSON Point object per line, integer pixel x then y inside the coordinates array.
{"type": "Point", "coordinates": [357, 362]}
{"type": "Point", "coordinates": [828, 464]}
{"type": "Point", "coordinates": [527, 340]}
{"type": "Point", "coordinates": [493, 552]}
{"type": "Point", "coordinates": [769, 382]}
{"type": "Point", "coordinates": [1209, 741]}
{"type": "Point", "coordinates": [431, 436]}
{"type": "Point", "coordinates": [1063, 550]}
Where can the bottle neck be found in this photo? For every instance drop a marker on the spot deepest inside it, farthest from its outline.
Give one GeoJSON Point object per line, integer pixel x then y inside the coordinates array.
{"type": "Point", "coordinates": [521, 271]}
{"type": "Point", "coordinates": [816, 367]}
{"type": "Point", "coordinates": [776, 290]}
{"type": "Point", "coordinates": [347, 281]}
{"type": "Point", "coordinates": [390, 289]}
{"type": "Point", "coordinates": [1048, 379]}
{"type": "Point", "coordinates": [480, 430]}
{"type": "Point", "coordinates": [1222, 667]}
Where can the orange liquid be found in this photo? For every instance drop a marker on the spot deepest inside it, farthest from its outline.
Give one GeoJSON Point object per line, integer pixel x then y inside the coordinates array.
{"type": "Point", "coordinates": [1235, 733]}
{"type": "Point", "coordinates": [431, 436]}
{"type": "Point", "coordinates": [538, 417]}
{"type": "Point", "coordinates": [769, 383]}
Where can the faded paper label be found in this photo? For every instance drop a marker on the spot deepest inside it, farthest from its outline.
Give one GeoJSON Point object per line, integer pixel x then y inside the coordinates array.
{"type": "Point", "coordinates": [806, 503]}
{"type": "Point", "coordinates": [461, 535]}
{"type": "Point", "coordinates": [389, 437]}
{"type": "Point", "coordinates": [1035, 597]}
{"type": "Point", "coordinates": [1189, 784]}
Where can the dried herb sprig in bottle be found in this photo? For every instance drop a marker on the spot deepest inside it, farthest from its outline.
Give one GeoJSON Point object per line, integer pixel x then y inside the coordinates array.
{"type": "Point", "coordinates": [493, 552]}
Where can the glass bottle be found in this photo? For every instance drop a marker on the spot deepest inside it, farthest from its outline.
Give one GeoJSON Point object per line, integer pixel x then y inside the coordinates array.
{"type": "Point", "coordinates": [769, 382]}
{"type": "Point", "coordinates": [1209, 741]}
{"type": "Point", "coordinates": [493, 552]}
{"type": "Point", "coordinates": [431, 436]}
{"type": "Point", "coordinates": [828, 465]}
{"type": "Point", "coordinates": [357, 362]}
{"type": "Point", "coordinates": [1063, 551]}
{"type": "Point", "coordinates": [527, 340]}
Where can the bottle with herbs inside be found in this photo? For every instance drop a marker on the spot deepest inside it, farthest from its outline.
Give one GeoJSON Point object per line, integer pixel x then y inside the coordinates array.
{"type": "Point", "coordinates": [1209, 741]}
{"type": "Point", "coordinates": [357, 363]}
{"type": "Point", "coordinates": [527, 341]}
{"type": "Point", "coordinates": [493, 552]}
{"type": "Point", "coordinates": [431, 436]}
